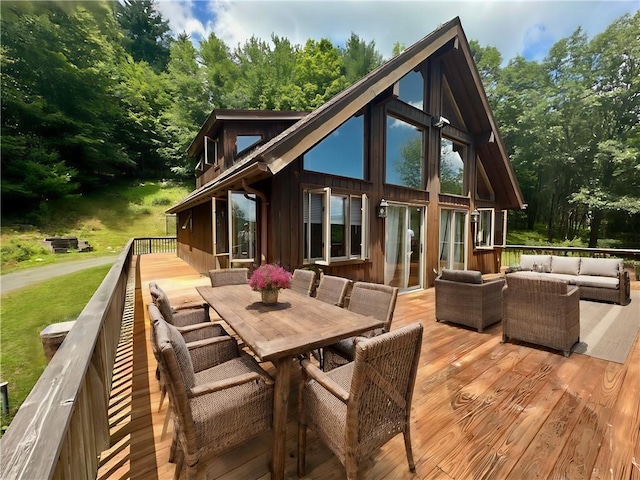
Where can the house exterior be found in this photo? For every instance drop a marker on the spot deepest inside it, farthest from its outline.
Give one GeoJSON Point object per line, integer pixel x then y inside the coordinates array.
{"type": "Point", "coordinates": [400, 175]}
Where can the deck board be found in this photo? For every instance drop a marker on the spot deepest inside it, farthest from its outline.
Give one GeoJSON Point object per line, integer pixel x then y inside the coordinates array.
{"type": "Point", "coordinates": [481, 409]}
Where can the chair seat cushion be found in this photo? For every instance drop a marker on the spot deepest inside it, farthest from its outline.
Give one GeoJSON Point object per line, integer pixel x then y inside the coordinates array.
{"type": "Point", "coordinates": [596, 281]}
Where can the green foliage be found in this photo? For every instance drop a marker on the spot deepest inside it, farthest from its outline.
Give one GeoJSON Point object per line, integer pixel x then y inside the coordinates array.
{"type": "Point", "coordinates": [146, 34]}
{"type": "Point", "coordinates": [25, 313]}
{"type": "Point", "coordinates": [359, 58]}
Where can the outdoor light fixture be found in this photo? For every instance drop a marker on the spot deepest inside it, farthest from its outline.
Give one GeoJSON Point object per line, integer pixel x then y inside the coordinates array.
{"type": "Point", "coordinates": [382, 208]}
{"type": "Point", "coordinates": [439, 121]}
{"type": "Point", "coordinates": [475, 216]}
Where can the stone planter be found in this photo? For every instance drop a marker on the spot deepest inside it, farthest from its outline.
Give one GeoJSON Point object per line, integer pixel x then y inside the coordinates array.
{"type": "Point", "coordinates": [269, 297]}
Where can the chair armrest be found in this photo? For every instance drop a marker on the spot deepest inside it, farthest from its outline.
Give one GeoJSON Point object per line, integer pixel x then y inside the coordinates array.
{"type": "Point", "coordinates": [201, 331]}
{"type": "Point", "coordinates": [323, 379]}
{"type": "Point", "coordinates": [190, 306]}
{"type": "Point", "coordinates": [225, 384]}
{"type": "Point", "coordinates": [212, 351]}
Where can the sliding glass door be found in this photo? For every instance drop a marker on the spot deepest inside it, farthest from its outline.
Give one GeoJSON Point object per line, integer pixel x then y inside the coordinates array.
{"type": "Point", "coordinates": [453, 239]}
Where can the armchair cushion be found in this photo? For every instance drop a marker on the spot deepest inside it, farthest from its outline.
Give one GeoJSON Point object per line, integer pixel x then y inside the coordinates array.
{"type": "Point", "coordinates": [463, 276]}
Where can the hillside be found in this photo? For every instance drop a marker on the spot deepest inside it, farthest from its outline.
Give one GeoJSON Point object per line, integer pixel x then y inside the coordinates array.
{"type": "Point", "coordinates": [106, 219]}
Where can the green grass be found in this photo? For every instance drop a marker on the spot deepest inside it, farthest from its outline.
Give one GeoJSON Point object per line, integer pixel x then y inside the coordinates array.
{"type": "Point", "coordinates": [106, 219]}
{"type": "Point", "coordinates": [24, 314]}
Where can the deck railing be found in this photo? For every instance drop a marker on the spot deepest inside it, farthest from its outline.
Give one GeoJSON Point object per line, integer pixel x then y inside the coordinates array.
{"type": "Point", "coordinates": [62, 426]}
{"type": "Point", "coordinates": [511, 253]}
{"type": "Point", "coordinates": [142, 246]}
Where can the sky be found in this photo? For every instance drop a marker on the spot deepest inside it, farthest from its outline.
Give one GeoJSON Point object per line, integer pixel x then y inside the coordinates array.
{"type": "Point", "coordinates": [514, 27]}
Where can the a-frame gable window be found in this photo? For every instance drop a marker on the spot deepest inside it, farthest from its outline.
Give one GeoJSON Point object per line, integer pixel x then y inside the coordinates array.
{"type": "Point", "coordinates": [452, 167]}
{"type": "Point", "coordinates": [404, 153]}
{"type": "Point", "coordinates": [341, 152]}
{"type": "Point", "coordinates": [410, 89]}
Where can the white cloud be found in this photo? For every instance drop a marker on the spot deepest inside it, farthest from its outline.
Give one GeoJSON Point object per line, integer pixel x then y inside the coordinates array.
{"type": "Point", "coordinates": [512, 26]}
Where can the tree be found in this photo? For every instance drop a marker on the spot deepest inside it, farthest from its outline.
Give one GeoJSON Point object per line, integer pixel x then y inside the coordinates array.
{"type": "Point", "coordinates": [359, 58]}
{"type": "Point", "coordinates": [189, 106]}
{"type": "Point", "coordinates": [57, 102]}
{"type": "Point", "coordinates": [146, 34]}
{"type": "Point", "coordinates": [219, 73]}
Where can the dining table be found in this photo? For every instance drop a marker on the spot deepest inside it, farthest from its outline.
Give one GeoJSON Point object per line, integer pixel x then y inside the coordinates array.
{"type": "Point", "coordinates": [296, 325]}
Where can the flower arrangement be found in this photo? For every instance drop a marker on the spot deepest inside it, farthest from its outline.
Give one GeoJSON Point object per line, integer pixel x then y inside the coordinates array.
{"type": "Point", "coordinates": [270, 277]}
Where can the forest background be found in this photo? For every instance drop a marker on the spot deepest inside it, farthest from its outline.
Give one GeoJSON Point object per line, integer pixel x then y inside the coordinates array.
{"type": "Point", "coordinates": [96, 92]}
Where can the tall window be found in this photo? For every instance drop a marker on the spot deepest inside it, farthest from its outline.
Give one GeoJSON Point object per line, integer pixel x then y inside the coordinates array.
{"type": "Point", "coordinates": [242, 225]}
{"type": "Point", "coordinates": [334, 226]}
{"type": "Point", "coordinates": [491, 229]}
{"type": "Point", "coordinates": [452, 239]}
{"type": "Point", "coordinates": [340, 153]}
{"type": "Point", "coordinates": [404, 155]}
{"type": "Point", "coordinates": [452, 161]}
{"type": "Point", "coordinates": [411, 90]}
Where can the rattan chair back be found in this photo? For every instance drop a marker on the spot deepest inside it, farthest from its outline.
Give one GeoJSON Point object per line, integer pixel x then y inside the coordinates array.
{"type": "Point", "coordinates": [374, 300]}
{"type": "Point", "coordinates": [303, 281]}
{"type": "Point", "coordinates": [333, 290]}
{"type": "Point", "coordinates": [228, 276]}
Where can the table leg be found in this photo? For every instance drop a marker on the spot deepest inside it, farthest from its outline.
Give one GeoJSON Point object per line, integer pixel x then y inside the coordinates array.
{"type": "Point", "coordinates": [280, 412]}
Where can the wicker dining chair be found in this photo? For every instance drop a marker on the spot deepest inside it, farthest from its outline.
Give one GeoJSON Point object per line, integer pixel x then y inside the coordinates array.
{"type": "Point", "coordinates": [303, 281]}
{"type": "Point", "coordinates": [217, 404]}
{"type": "Point", "coordinates": [369, 299]}
{"type": "Point", "coordinates": [228, 276]}
{"type": "Point", "coordinates": [333, 290]}
{"type": "Point", "coordinates": [182, 315]}
{"type": "Point", "coordinates": [205, 331]}
{"type": "Point", "coordinates": [357, 408]}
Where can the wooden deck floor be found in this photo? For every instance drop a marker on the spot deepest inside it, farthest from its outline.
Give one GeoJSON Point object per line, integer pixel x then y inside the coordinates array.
{"type": "Point", "coordinates": [481, 409]}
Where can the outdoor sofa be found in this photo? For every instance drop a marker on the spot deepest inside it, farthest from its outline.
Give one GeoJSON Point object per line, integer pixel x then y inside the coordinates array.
{"type": "Point", "coordinates": [596, 278]}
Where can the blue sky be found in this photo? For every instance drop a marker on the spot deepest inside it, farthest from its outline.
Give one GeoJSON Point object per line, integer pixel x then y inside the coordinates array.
{"type": "Point", "coordinates": [522, 27]}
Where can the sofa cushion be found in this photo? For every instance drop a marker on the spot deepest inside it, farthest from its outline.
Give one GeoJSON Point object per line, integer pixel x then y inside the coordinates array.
{"type": "Point", "coordinates": [604, 267]}
{"type": "Point", "coordinates": [568, 265]}
{"type": "Point", "coordinates": [543, 262]}
{"type": "Point", "coordinates": [463, 276]}
{"type": "Point", "coordinates": [597, 281]}
{"type": "Point", "coordinates": [565, 277]}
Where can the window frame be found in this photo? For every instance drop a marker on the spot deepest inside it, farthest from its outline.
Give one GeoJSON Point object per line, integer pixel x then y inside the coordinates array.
{"type": "Point", "coordinates": [489, 243]}
{"type": "Point", "coordinates": [465, 166]}
{"type": "Point", "coordinates": [207, 160]}
{"type": "Point", "coordinates": [326, 258]}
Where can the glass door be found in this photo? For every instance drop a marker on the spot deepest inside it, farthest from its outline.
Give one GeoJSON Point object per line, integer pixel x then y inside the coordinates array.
{"type": "Point", "coordinates": [404, 247]}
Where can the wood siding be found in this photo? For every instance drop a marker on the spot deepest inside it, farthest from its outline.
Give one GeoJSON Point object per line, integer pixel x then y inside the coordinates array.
{"type": "Point", "coordinates": [195, 241]}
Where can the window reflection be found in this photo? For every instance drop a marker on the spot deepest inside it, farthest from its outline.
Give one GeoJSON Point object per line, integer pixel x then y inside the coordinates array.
{"type": "Point", "coordinates": [340, 153]}
{"type": "Point", "coordinates": [411, 90]}
{"type": "Point", "coordinates": [245, 141]}
{"type": "Point", "coordinates": [243, 225]}
{"type": "Point", "coordinates": [451, 167]}
{"type": "Point", "coordinates": [404, 160]}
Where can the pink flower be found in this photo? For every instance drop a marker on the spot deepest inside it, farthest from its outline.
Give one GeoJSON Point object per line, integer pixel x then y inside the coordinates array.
{"type": "Point", "coordinates": [270, 277]}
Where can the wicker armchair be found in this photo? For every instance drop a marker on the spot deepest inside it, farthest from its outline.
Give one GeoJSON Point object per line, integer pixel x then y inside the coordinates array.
{"type": "Point", "coordinates": [333, 290]}
{"type": "Point", "coordinates": [357, 408]}
{"type": "Point", "coordinates": [228, 276]}
{"type": "Point", "coordinates": [303, 281]}
{"type": "Point", "coordinates": [541, 311]}
{"type": "Point", "coordinates": [218, 403]}
{"type": "Point", "coordinates": [180, 316]}
{"type": "Point", "coordinates": [193, 333]}
{"type": "Point", "coordinates": [463, 298]}
{"type": "Point", "coordinates": [371, 300]}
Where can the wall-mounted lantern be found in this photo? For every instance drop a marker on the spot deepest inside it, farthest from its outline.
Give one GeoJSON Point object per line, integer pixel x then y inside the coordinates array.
{"type": "Point", "coordinates": [382, 209]}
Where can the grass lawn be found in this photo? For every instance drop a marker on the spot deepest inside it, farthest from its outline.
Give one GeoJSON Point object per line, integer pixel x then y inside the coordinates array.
{"type": "Point", "coordinates": [24, 314]}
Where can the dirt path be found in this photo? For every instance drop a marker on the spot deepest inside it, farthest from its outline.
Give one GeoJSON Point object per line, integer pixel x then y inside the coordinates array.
{"type": "Point", "coordinates": [16, 280]}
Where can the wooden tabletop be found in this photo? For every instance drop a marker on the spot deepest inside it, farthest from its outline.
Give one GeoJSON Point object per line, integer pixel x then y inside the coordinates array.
{"type": "Point", "coordinates": [294, 326]}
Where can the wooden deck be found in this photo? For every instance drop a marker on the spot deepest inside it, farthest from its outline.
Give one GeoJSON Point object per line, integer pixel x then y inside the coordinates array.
{"type": "Point", "coordinates": [481, 409]}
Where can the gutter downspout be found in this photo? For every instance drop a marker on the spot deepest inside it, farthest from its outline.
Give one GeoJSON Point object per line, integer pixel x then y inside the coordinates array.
{"type": "Point", "coordinates": [263, 224]}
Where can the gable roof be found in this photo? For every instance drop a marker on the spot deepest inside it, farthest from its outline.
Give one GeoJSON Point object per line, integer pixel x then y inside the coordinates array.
{"type": "Point", "coordinates": [271, 157]}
